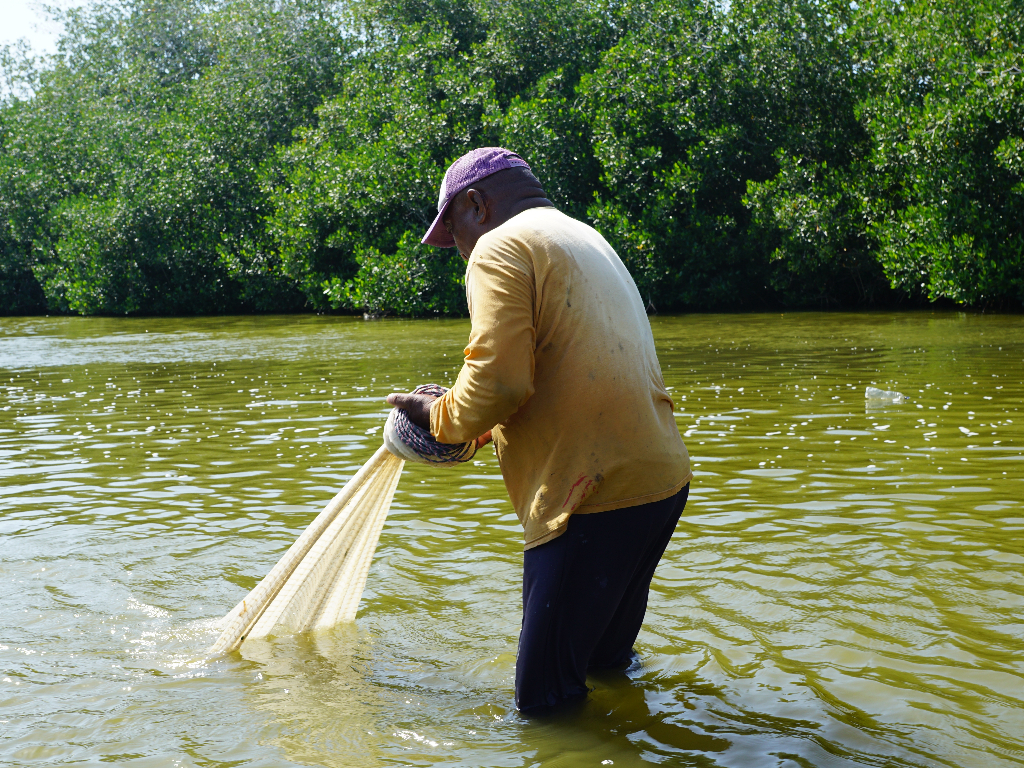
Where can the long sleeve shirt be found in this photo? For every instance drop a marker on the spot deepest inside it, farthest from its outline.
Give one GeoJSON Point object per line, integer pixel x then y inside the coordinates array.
{"type": "Point", "coordinates": [561, 364]}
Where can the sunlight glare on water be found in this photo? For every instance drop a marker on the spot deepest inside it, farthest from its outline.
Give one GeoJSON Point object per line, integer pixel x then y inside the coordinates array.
{"type": "Point", "coordinates": [844, 588]}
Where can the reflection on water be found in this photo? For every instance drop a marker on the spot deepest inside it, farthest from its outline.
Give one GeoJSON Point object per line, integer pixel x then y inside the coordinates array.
{"type": "Point", "coordinates": [844, 589]}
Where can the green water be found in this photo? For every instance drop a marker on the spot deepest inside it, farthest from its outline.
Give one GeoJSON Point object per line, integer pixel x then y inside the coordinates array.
{"type": "Point", "coordinates": [845, 587]}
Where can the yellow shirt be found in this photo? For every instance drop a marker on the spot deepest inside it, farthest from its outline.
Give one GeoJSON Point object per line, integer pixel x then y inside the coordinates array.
{"type": "Point", "coordinates": [561, 363]}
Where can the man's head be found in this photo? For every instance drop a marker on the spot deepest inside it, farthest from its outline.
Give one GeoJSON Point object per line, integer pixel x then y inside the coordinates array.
{"type": "Point", "coordinates": [482, 190]}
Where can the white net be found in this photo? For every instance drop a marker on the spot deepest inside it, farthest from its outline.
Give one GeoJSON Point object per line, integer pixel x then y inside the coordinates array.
{"type": "Point", "coordinates": [320, 579]}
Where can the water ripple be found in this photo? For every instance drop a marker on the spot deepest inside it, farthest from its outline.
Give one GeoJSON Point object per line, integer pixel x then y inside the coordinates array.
{"type": "Point", "coordinates": [843, 590]}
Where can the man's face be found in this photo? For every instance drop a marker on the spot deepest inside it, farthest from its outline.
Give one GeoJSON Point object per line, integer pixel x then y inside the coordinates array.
{"type": "Point", "coordinates": [467, 218]}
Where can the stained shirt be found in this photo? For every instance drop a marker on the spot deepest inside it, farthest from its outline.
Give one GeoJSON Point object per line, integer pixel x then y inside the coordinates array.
{"type": "Point", "coordinates": [561, 364]}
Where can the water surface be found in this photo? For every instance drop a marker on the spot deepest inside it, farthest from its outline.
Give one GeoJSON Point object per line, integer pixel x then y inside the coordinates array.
{"type": "Point", "coordinates": [844, 589]}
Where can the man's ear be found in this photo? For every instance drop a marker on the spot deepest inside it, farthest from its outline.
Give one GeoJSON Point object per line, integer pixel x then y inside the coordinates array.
{"type": "Point", "coordinates": [478, 200]}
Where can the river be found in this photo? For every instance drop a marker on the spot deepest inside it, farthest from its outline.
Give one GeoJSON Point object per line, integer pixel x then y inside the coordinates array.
{"type": "Point", "coordinates": [845, 587]}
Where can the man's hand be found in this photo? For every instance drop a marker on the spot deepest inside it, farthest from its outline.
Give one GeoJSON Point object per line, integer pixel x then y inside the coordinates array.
{"type": "Point", "coordinates": [417, 406]}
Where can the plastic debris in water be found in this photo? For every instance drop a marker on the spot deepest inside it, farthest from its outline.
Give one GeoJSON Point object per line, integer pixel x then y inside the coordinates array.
{"type": "Point", "coordinates": [884, 396]}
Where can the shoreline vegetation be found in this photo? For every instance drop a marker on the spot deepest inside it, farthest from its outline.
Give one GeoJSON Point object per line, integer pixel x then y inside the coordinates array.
{"type": "Point", "coordinates": [178, 157]}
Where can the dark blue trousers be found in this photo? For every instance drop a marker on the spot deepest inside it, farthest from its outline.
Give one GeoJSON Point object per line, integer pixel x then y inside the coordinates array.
{"type": "Point", "coordinates": [584, 598]}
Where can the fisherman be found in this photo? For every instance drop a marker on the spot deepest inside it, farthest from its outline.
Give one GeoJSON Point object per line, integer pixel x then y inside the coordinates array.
{"type": "Point", "coordinates": [561, 365]}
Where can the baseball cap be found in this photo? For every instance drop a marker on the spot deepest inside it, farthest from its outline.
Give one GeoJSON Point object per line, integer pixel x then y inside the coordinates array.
{"type": "Point", "coordinates": [468, 169]}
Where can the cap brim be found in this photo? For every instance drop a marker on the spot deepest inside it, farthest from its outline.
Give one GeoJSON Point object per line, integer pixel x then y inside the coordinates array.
{"type": "Point", "coordinates": [438, 235]}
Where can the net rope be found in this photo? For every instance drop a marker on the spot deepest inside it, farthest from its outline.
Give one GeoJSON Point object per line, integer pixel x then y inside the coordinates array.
{"type": "Point", "coordinates": [413, 443]}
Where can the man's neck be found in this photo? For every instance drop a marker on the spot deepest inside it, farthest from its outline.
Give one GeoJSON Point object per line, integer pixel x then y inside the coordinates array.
{"type": "Point", "coordinates": [517, 207]}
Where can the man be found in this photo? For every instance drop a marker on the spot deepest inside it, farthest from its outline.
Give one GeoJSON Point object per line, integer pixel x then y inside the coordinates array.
{"type": "Point", "coordinates": [561, 364]}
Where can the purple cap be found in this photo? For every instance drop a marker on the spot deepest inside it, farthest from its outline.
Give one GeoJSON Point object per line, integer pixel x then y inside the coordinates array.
{"type": "Point", "coordinates": [468, 169]}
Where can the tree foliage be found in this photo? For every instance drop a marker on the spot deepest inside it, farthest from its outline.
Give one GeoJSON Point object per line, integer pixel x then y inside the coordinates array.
{"type": "Point", "coordinates": [181, 157]}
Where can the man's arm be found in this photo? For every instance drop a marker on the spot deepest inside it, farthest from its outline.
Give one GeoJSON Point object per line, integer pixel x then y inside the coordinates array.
{"type": "Point", "coordinates": [497, 374]}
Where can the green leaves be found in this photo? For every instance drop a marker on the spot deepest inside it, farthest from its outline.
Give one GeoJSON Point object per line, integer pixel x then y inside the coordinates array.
{"type": "Point", "coordinates": [255, 155]}
{"type": "Point", "coordinates": [930, 191]}
{"type": "Point", "coordinates": [129, 181]}
{"type": "Point", "coordinates": [414, 281]}
{"type": "Point", "coordinates": [946, 115]}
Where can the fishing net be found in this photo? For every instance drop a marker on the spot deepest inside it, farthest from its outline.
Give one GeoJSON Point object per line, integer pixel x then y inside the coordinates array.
{"type": "Point", "coordinates": [319, 581]}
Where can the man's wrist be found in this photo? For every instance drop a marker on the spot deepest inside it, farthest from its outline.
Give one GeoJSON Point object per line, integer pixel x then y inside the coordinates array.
{"type": "Point", "coordinates": [430, 416]}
